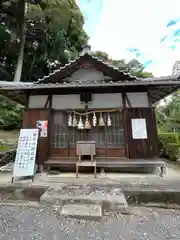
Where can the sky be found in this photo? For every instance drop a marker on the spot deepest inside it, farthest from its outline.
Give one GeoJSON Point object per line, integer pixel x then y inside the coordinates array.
{"type": "Point", "coordinates": [146, 30]}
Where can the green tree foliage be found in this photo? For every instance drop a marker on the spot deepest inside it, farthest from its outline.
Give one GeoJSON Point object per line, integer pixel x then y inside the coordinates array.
{"type": "Point", "coordinates": [42, 35]}
{"type": "Point", "coordinates": [168, 122]}
{"type": "Point", "coordinates": [168, 114]}
{"type": "Point", "coordinates": [53, 30]}
{"type": "Point", "coordinates": [10, 114]}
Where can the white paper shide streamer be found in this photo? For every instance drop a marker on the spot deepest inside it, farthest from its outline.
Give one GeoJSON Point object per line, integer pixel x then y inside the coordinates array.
{"type": "Point", "coordinates": [109, 120]}
{"type": "Point", "coordinates": [70, 120]}
{"type": "Point", "coordinates": [80, 123]}
{"type": "Point", "coordinates": [101, 121]}
{"type": "Point", "coordinates": [74, 121]}
{"type": "Point", "coordinates": [94, 119]}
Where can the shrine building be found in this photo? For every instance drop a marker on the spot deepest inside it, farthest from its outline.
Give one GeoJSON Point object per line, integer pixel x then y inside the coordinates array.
{"type": "Point", "coordinates": [88, 102]}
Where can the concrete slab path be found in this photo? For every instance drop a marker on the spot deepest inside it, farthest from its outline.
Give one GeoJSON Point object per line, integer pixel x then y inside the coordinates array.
{"type": "Point", "coordinates": [171, 179]}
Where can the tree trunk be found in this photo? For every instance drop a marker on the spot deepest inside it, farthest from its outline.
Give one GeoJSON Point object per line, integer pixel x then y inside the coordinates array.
{"type": "Point", "coordinates": [22, 32]}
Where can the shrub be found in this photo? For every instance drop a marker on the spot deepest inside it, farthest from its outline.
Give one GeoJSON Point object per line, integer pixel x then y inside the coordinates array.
{"type": "Point", "coordinates": [169, 145]}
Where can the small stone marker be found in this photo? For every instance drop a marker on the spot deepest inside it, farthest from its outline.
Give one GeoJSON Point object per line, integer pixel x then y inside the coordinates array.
{"type": "Point", "coordinates": [82, 210]}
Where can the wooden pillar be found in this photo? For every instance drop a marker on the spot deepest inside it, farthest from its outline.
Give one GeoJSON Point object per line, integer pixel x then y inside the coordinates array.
{"type": "Point", "coordinates": [48, 105]}
{"type": "Point", "coordinates": [154, 123]}
{"type": "Point", "coordinates": [124, 124]}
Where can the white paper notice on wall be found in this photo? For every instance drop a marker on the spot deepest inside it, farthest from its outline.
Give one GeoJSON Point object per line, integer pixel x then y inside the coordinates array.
{"type": "Point", "coordinates": [139, 129]}
{"type": "Point", "coordinates": [24, 164]}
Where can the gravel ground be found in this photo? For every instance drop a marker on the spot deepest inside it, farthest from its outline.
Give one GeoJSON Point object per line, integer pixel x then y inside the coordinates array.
{"type": "Point", "coordinates": [23, 223]}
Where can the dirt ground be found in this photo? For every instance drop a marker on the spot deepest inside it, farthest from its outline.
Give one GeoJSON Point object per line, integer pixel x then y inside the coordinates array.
{"type": "Point", "coordinates": [9, 135]}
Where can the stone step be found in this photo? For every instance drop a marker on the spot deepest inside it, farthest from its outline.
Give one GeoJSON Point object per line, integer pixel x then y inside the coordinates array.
{"type": "Point", "coordinates": [109, 200]}
{"type": "Point", "coordinates": [82, 211]}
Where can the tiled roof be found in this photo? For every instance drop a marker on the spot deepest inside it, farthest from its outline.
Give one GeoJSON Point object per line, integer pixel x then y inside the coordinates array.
{"type": "Point", "coordinates": [15, 84]}
{"type": "Point", "coordinates": [162, 78]}
{"type": "Point", "coordinates": [93, 57]}
{"type": "Point", "coordinates": [168, 80]}
{"type": "Point", "coordinates": [158, 87]}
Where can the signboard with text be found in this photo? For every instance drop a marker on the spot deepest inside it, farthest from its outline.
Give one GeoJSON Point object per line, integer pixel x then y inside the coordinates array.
{"type": "Point", "coordinates": [24, 164]}
{"type": "Point", "coordinates": [139, 129]}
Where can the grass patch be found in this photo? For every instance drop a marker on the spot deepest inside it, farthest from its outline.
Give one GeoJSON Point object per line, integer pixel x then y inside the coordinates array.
{"type": "Point", "coordinates": [8, 140]}
{"type": "Point", "coordinates": [5, 148]}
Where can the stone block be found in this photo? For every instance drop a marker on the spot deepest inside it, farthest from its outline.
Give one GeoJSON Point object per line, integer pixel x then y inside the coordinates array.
{"type": "Point", "coordinates": [82, 211]}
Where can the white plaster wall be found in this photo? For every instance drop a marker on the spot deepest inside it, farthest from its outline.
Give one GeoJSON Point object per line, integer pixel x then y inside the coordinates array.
{"type": "Point", "coordinates": [98, 101]}
{"type": "Point", "coordinates": [86, 74]}
{"type": "Point", "coordinates": [138, 99]}
{"type": "Point", "coordinates": [67, 102]}
{"type": "Point", "coordinates": [107, 100]}
{"type": "Point", "coordinates": [37, 101]}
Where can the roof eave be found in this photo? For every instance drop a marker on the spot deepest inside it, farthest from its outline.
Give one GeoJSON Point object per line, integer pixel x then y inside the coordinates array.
{"type": "Point", "coordinates": [92, 85]}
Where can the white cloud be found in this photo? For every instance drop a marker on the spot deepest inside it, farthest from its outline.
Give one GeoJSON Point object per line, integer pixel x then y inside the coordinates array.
{"type": "Point", "coordinates": [137, 24]}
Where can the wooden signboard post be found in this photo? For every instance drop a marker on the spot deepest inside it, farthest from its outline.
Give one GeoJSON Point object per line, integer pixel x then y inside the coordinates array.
{"type": "Point", "coordinates": [24, 164]}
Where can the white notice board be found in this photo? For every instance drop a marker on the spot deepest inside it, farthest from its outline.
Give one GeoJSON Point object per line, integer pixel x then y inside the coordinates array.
{"type": "Point", "coordinates": [26, 153]}
{"type": "Point", "coordinates": [139, 129]}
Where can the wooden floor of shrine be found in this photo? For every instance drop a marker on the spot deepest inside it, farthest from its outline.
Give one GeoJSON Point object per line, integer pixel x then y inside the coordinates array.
{"type": "Point", "coordinates": [106, 162]}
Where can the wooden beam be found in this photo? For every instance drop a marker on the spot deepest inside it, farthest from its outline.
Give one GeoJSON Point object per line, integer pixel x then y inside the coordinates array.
{"type": "Point", "coordinates": [50, 100]}
{"type": "Point", "coordinates": [50, 125]}
{"type": "Point", "coordinates": [149, 99]}
{"type": "Point", "coordinates": [47, 102]}
{"type": "Point", "coordinates": [27, 99]}
{"type": "Point", "coordinates": [98, 89]}
{"type": "Point", "coordinates": [158, 91]}
{"type": "Point", "coordinates": [157, 97]}
{"type": "Point", "coordinates": [123, 99]}
{"type": "Point", "coordinates": [127, 99]}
